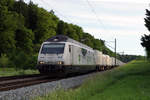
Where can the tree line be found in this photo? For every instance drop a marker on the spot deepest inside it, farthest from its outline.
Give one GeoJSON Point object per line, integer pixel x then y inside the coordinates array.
{"type": "Point", "coordinates": [23, 27]}
{"type": "Point", "coordinates": [126, 58]}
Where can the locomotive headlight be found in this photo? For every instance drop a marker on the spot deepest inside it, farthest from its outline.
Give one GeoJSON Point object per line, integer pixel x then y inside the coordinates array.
{"type": "Point", "coordinates": [41, 62]}
{"type": "Point", "coordinates": [59, 62]}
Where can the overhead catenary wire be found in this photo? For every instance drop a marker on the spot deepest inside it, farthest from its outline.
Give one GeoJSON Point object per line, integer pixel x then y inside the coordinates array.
{"type": "Point", "coordinates": [100, 21]}
{"type": "Point", "coordinates": [109, 46]}
{"type": "Point", "coordinates": [97, 17]}
{"type": "Point", "coordinates": [54, 9]}
{"type": "Point", "coordinates": [110, 41]}
{"type": "Point", "coordinates": [64, 16]}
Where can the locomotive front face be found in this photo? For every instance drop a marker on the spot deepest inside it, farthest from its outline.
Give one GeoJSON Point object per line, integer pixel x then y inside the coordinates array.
{"type": "Point", "coordinates": [51, 54]}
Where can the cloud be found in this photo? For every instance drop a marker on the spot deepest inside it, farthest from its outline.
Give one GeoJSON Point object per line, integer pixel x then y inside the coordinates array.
{"type": "Point", "coordinates": [114, 33]}
{"type": "Point", "coordinates": [123, 1]}
{"type": "Point", "coordinates": [110, 19]}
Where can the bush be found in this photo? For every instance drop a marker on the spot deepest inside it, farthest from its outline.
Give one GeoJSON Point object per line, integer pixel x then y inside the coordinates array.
{"type": "Point", "coordinates": [4, 61]}
{"type": "Point", "coordinates": [22, 60]}
{"type": "Point", "coordinates": [32, 61]}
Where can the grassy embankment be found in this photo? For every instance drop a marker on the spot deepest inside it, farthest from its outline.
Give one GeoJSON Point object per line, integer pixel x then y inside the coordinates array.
{"type": "Point", "coordinates": [129, 82]}
{"type": "Point", "coordinates": [13, 72]}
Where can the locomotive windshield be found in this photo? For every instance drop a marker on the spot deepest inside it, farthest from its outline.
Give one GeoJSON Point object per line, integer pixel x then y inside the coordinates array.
{"type": "Point", "coordinates": [53, 48]}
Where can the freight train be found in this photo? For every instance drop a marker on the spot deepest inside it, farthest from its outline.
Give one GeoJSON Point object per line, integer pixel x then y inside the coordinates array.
{"type": "Point", "coordinates": [62, 54]}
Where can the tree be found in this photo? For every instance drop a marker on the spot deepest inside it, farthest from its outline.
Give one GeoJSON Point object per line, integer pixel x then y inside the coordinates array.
{"type": "Point", "coordinates": [8, 25]}
{"type": "Point", "coordinates": [20, 60]}
{"type": "Point", "coordinates": [146, 38]}
{"type": "Point", "coordinates": [32, 16]}
{"type": "Point", "coordinates": [21, 8]}
{"type": "Point", "coordinates": [4, 60]}
{"type": "Point", "coordinates": [24, 38]}
{"type": "Point", "coordinates": [8, 3]}
{"type": "Point", "coordinates": [71, 32]}
{"type": "Point", "coordinates": [147, 19]}
{"type": "Point", "coordinates": [79, 32]}
{"type": "Point", "coordinates": [146, 43]}
{"type": "Point", "coordinates": [98, 44]}
{"type": "Point", "coordinates": [88, 39]}
{"type": "Point", "coordinates": [46, 26]}
{"type": "Point", "coordinates": [62, 28]}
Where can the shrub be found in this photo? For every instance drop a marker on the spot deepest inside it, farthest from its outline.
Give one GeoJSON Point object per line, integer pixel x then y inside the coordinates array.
{"type": "Point", "coordinates": [22, 60]}
{"type": "Point", "coordinates": [32, 61]}
{"type": "Point", "coordinates": [4, 61]}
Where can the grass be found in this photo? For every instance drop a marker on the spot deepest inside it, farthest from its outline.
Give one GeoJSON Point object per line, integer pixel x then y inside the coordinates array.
{"type": "Point", "coordinates": [13, 72]}
{"type": "Point", "coordinates": [128, 82]}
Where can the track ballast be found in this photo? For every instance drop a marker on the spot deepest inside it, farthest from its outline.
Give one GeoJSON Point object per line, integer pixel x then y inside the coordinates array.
{"type": "Point", "coordinates": [14, 82]}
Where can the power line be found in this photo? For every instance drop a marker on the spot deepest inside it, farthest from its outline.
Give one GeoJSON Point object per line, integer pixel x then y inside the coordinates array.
{"type": "Point", "coordinates": [56, 11]}
{"type": "Point", "coordinates": [98, 19]}
{"type": "Point", "coordinates": [110, 41]}
{"type": "Point", "coordinates": [110, 46]}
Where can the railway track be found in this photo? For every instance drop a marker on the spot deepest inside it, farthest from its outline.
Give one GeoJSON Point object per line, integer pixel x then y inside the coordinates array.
{"type": "Point", "coordinates": [14, 82]}
{"type": "Point", "coordinates": [18, 76]}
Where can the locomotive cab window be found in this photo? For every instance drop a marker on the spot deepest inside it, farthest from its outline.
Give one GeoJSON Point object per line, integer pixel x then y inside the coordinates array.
{"type": "Point", "coordinates": [69, 48]}
{"type": "Point", "coordinates": [53, 48]}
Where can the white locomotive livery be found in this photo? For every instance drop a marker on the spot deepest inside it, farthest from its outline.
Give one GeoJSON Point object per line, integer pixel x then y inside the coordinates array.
{"type": "Point", "coordinates": [63, 54]}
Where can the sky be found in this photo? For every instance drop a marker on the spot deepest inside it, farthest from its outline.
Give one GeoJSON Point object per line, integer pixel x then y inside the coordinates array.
{"type": "Point", "coordinates": [105, 19]}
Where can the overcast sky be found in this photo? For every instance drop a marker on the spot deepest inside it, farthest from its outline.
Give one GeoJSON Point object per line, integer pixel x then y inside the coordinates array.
{"type": "Point", "coordinates": [105, 19]}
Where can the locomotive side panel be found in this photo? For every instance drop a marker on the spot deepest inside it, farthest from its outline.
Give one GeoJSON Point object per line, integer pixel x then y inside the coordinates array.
{"type": "Point", "coordinates": [83, 58]}
{"type": "Point", "coordinates": [68, 54]}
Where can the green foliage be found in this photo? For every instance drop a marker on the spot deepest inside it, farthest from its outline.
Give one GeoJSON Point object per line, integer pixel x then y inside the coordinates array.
{"type": "Point", "coordinates": [20, 7]}
{"type": "Point", "coordinates": [146, 38]}
{"type": "Point", "coordinates": [128, 58]}
{"type": "Point", "coordinates": [24, 38]}
{"type": "Point", "coordinates": [146, 43]}
{"type": "Point", "coordinates": [147, 19]}
{"type": "Point", "coordinates": [8, 3]}
{"type": "Point", "coordinates": [7, 29]}
{"type": "Point", "coordinates": [98, 44]}
{"type": "Point", "coordinates": [13, 72]}
{"type": "Point", "coordinates": [32, 61]}
{"type": "Point", "coordinates": [23, 60]}
{"type": "Point", "coordinates": [71, 32]}
{"type": "Point", "coordinates": [23, 28]}
{"type": "Point", "coordinates": [45, 26]}
{"type": "Point", "coordinates": [20, 60]}
{"type": "Point", "coordinates": [88, 39]}
{"type": "Point", "coordinates": [62, 28]}
{"type": "Point", "coordinates": [4, 61]}
{"type": "Point", "coordinates": [32, 16]}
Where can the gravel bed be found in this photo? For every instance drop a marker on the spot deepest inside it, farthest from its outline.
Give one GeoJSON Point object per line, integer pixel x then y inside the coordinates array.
{"type": "Point", "coordinates": [27, 93]}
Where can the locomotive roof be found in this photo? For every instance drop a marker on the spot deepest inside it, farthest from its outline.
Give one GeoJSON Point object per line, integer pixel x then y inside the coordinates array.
{"type": "Point", "coordinates": [58, 38]}
{"type": "Point", "coordinates": [63, 38]}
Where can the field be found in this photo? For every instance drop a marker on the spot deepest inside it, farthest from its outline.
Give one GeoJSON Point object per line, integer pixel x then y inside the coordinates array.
{"type": "Point", "coordinates": [128, 82]}
{"type": "Point", "coordinates": [13, 72]}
